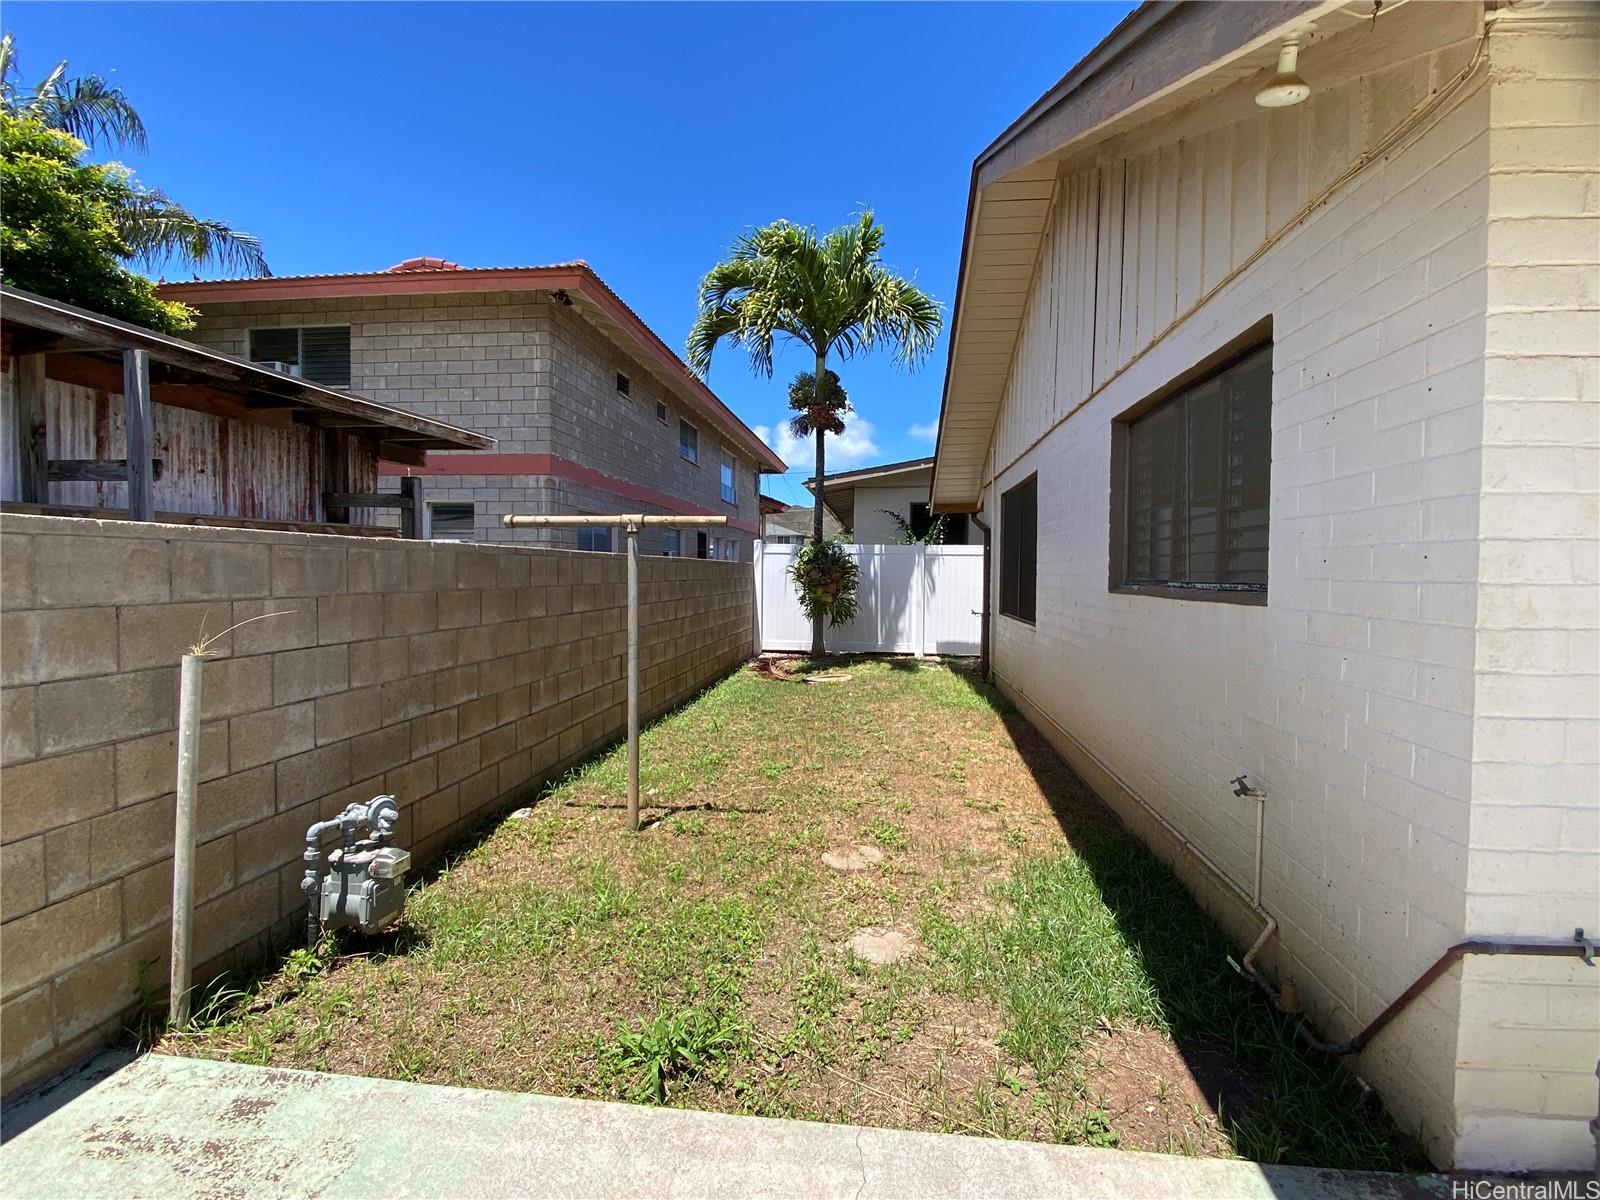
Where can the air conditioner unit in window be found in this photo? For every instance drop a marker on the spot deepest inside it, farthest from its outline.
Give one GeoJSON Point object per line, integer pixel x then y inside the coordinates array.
{"type": "Point", "coordinates": [286, 368]}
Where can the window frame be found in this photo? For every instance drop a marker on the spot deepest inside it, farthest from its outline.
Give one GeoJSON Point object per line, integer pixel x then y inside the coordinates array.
{"type": "Point", "coordinates": [688, 450]}
{"type": "Point", "coordinates": [1031, 482]}
{"type": "Point", "coordinates": [300, 351]}
{"type": "Point", "coordinates": [661, 412]}
{"type": "Point", "coordinates": [472, 514]}
{"type": "Point", "coordinates": [1258, 337]}
{"type": "Point", "coordinates": [624, 385]}
{"type": "Point", "coordinates": [728, 477]}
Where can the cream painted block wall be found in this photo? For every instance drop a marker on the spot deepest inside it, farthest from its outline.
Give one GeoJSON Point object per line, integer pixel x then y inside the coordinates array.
{"type": "Point", "coordinates": [1358, 698]}
{"type": "Point", "coordinates": [1530, 1030]}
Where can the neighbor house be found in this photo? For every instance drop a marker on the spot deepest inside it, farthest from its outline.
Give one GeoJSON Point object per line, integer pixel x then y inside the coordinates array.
{"type": "Point", "coordinates": [591, 412]}
{"type": "Point", "coordinates": [868, 500]}
{"type": "Point", "coordinates": [225, 442]}
{"type": "Point", "coordinates": [790, 524]}
{"type": "Point", "coordinates": [1285, 417]}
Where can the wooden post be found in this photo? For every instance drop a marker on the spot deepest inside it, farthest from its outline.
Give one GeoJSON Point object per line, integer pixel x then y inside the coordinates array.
{"type": "Point", "coordinates": [633, 675]}
{"type": "Point", "coordinates": [32, 471]}
{"type": "Point", "coordinates": [413, 521]}
{"type": "Point", "coordinates": [136, 420]}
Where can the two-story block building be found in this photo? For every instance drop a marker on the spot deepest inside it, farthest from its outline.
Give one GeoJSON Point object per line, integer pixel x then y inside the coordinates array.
{"type": "Point", "coordinates": [591, 411]}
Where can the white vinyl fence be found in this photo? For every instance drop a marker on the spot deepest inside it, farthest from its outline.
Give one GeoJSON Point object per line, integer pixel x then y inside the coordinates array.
{"type": "Point", "coordinates": [912, 600]}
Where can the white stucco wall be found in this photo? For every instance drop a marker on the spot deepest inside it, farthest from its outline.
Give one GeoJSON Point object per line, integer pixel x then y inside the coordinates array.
{"type": "Point", "coordinates": [1359, 697]}
{"type": "Point", "coordinates": [874, 528]}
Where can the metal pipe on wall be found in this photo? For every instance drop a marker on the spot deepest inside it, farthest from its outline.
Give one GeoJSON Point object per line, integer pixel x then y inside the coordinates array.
{"type": "Point", "coordinates": [631, 524]}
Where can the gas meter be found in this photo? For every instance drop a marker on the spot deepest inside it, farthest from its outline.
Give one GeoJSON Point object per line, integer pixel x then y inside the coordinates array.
{"type": "Point", "coordinates": [361, 885]}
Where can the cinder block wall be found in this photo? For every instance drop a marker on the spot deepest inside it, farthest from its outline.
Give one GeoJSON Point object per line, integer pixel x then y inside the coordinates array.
{"type": "Point", "coordinates": [457, 677]}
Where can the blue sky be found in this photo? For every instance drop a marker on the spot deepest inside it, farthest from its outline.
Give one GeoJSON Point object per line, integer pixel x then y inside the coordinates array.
{"type": "Point", "coordinates": [642, 138]}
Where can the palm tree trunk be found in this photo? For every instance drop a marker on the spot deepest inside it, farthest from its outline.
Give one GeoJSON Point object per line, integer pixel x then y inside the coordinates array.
{"type": "Point", "coordinates": [817, 649]}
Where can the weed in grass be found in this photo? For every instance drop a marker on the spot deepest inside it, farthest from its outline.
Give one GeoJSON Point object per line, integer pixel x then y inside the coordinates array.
{"type": "Point", "coordinates": [887, 833]}
{"type": "Point", "coordinates": [673, 1048]}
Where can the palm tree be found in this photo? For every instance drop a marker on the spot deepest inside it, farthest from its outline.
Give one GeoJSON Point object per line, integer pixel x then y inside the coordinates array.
{"type": "Point", "coordinates": [157, 229]}
{"type": "Point", "coordinates": [830, 293]}
{"type": "Point", "coordinates": [819, 410]}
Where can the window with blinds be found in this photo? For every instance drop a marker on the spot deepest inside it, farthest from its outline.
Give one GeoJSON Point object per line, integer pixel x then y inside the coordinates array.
{"type": "Point", "coordinates": [450, 520]}
{"type": "Point", "coordinates": [730, 493]}
{"type": "Point", "coordinates": [1198, 484]}
{"type": "Point", "coordinates": [688, 442]}
{"type": "Point", "coordinates": [319, 353]}
{"type": "Point", "coordinates": [1019, 549]}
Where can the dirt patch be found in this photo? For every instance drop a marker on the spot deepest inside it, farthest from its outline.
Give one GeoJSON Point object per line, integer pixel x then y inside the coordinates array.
{"type": "Point", "coordinates": [1162, 1097]}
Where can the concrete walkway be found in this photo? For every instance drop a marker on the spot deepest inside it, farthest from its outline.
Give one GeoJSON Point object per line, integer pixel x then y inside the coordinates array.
{"type": "Point", "coordinates": [176, 1128]}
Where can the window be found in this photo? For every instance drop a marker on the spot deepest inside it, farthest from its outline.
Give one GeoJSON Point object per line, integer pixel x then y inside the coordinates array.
{"type": "Point", "coordinates": [688, 441]}
{"type": "Point", "coordinates": [624, 384]}
{"type": "Point", "coordinates": [921, 520]}
{"type": "Point", "coordinates": [594, 537]}
{"type": "Point", "coordinates": [673, 539]}
{"type": "Point", "coordinates": [1197, 485]}
{"type": "Point", "coordinates": [661, 412]}
{"type": "Point", "coordinates": [450, 521]}
{"type": "Point", "coordinates": [730, 549]}
{"type": "Point", "coordinates": [320, 353]}
{"type": "Point", "coordinates": [730, 493]}
{"type": "Point", "coordinates": [1019, 549]}
{"type": "Point", "coordinates": [700, 543]}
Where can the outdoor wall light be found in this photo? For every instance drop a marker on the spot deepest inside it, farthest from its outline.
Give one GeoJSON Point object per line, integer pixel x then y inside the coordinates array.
{"type": "Point", "coordinates": [1286, 87]}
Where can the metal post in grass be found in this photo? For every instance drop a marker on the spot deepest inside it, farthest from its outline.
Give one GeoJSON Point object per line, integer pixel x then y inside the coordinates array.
{"type": "Point", "coordinates": [631, 523]}
{"type": "Point", "coordinates": [183, 836]}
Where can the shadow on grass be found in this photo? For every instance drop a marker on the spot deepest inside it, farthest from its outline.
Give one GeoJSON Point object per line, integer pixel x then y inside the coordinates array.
{"type": "Point", "coordinates": [1279, 1102]}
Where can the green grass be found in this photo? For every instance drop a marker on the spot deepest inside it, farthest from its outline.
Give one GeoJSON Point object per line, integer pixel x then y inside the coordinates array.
{"type": "Point", "coordinates": [699, 962]}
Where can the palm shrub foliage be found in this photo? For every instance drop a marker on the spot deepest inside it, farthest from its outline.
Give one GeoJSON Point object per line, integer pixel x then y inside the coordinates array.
{"type": "Point", "coordinates": [829, 293]}
{"type": "Point", "coordinates": [75, 230]}
{"type": "Point", "coordinates": [826, 576]}
{"type": "Point", "coordinates": [908, 535]}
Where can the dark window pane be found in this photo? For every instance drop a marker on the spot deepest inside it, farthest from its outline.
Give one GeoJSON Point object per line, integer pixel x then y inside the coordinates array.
{"type": "Point", "coordinates": [1199, 482]}
{"type": "Point", "coordinates": [920, 520]}
{"type": "Point", "coordinates": [325, 355]}
{"type": "Point", "coordinates": [1019, 547]}
{"type": "Point", "coordinates": [275, 345]}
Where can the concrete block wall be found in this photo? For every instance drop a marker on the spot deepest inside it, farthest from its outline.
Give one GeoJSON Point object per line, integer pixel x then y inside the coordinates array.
{"type": "Point", "coordinates": [533, 375]}
{"type": "Point", "coordinates": [457, 677]}
{"type": "Point", "coordinates": [1530, 1029]}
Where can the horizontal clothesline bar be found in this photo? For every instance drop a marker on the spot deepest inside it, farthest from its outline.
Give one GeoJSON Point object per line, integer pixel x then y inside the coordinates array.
{"type": "Point", "coordinates": [518, 521]}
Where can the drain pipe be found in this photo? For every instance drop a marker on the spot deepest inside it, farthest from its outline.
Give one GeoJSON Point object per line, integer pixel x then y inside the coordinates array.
{"type": "Point", "coordinates": [983, 615]}
{"type": "Point", "coordinates": [1247, 966]}
{"type": "Point", "coordinates": [1578, 947]}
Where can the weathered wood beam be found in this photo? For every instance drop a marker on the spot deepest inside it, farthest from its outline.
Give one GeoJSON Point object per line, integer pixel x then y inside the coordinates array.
{"type": "Point", "coordinates": [366, 500]}
{"type": "Point", "coordinates": [32, 474]}
{"type": "Point", "coordinates": [96, 470]}
{"type": "Point", "coordinates": [136, 420]}
{"type": "Point", "coordinates": [412, 519]}
{"type": "Point", "coordinates": [409, 456]}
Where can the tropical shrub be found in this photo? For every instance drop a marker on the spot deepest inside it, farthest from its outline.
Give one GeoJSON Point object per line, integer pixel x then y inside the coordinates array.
{"type": "Point", "coordinates": [826, 577]}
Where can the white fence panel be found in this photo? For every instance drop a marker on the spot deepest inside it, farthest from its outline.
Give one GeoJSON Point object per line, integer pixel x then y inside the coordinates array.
{"type": "Point", "coordinates": [912, 600]}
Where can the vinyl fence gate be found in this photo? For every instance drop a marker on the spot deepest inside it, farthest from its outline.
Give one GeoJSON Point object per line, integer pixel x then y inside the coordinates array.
{"type": "Point", "coordinates": [913, 600]}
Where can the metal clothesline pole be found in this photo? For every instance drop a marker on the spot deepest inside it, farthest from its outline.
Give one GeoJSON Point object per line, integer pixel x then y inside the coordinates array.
{"type": "Point", "coordinates": [631, 523]}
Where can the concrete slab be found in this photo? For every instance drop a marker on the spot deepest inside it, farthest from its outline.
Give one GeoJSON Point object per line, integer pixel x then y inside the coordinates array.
{"type": "Point", "coordinates": [179, 1128]}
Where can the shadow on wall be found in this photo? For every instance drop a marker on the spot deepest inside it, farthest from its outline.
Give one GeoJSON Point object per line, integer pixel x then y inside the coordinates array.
{"type": "Point", "coordinates": [1277, 1101]}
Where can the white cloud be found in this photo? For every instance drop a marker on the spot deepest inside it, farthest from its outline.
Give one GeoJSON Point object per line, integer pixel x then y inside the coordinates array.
{"type": "Point", "coordinates": [925, 433]}
{"type": "Point", "coordinates": [849, 449]}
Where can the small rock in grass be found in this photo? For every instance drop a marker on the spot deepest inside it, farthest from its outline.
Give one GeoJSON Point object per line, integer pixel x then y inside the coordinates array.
{"type": "Point", "coordinates": [521, 814]}
{"type": "Point", "coordinates": [852, 858]}
{"type": "Point", "coordinates": [880, 945]}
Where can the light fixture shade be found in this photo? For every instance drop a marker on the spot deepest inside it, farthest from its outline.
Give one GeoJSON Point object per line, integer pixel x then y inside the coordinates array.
{"type": "Point", "coordinates": [1286, 87]}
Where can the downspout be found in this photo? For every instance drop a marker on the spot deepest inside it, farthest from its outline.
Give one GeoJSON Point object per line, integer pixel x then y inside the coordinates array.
{"type": "Point", "coordinates": [983, 615]}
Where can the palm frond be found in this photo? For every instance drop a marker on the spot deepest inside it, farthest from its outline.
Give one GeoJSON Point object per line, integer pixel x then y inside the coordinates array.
{"type": "Point", "coordinates": [159, 231]}
{"type": "Point", "coordinates": [93, 111]}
